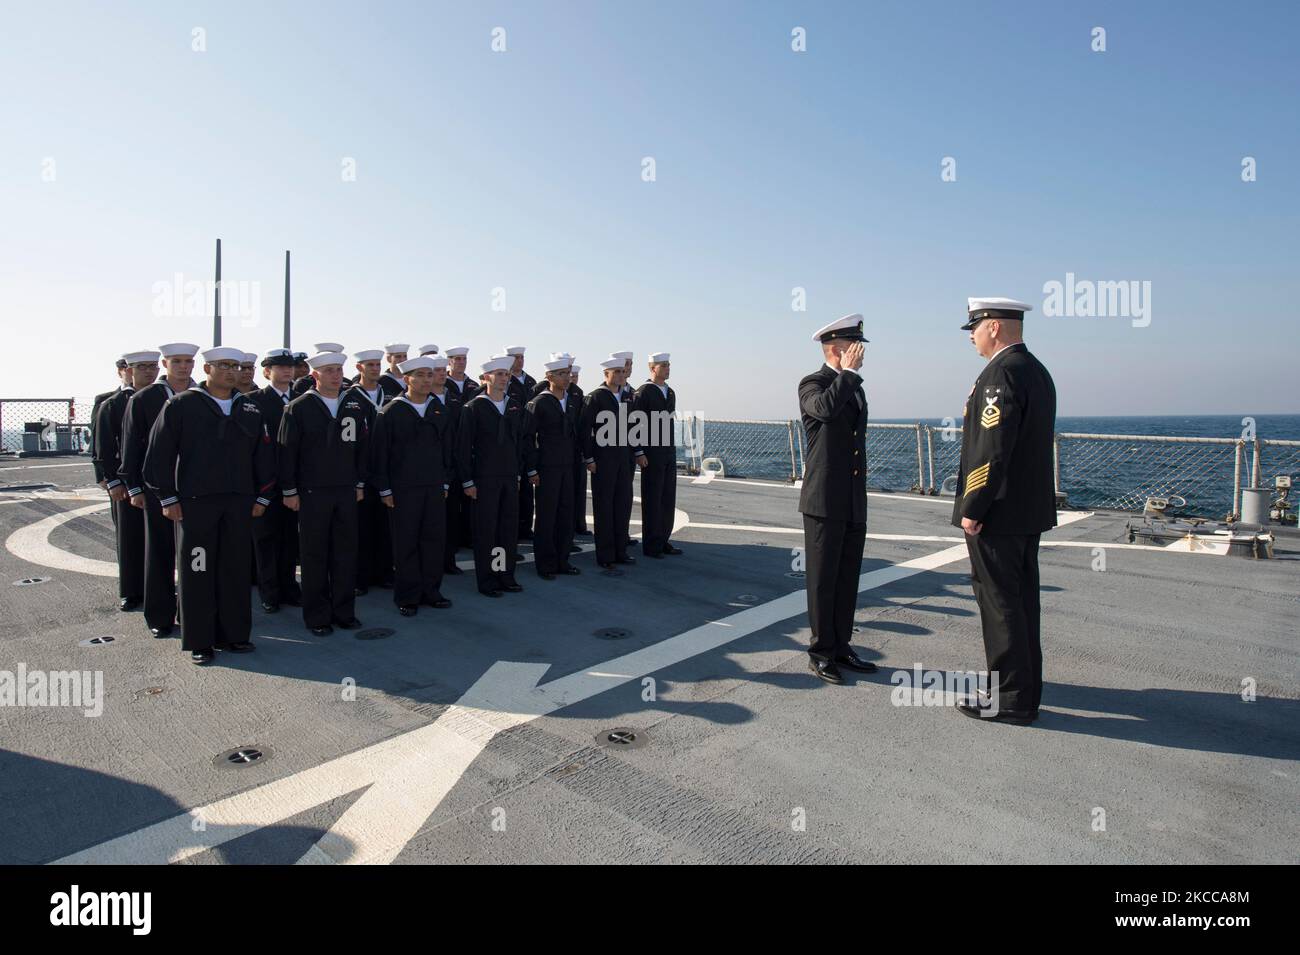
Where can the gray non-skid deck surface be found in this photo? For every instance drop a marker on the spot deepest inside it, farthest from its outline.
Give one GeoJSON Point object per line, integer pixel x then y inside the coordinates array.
{"type": "Point", "coordinates": [1143, 716]}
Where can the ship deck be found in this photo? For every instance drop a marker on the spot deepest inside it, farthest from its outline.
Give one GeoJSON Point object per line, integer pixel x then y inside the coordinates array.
{"type": "Point", "coordinates": [481, 734]}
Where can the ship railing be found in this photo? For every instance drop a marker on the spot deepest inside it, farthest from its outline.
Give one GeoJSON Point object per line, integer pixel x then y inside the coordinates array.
{"type": "Point", "coordinates": [1114, 471]}
{"type": "Point", "coordinates": [1111, 471]}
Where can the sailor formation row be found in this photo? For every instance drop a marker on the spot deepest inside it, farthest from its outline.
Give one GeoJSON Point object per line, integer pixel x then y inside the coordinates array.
{"type": "Point", "coordinates": [375, 480]}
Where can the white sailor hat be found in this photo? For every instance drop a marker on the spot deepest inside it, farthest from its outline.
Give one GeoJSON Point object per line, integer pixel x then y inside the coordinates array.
{"type": "Point", "coordinates": [457, 351]}
{"type": "Point", "coordinates": [849, 327]}
{"type": "Point", "coordinates": [428, 349]}
{"type": "Point", "coordinates": [613, 361]}
{"type": "Point", "coordinates": [279, 356]}
{"type": "Point", "coordinates": [621, 355]}
{"type": "Point", "coordinates": [560, 356]}
{"type": "Point", "coordinates": [223, 353]}
{"type": "Point", "coordinates": [497, 363]}
{"type": "Point", "coordinates": [324, 359]}
{"type": "Point", "coordinates": [575, 368]}
{"type": "Point", "coordinates": [424, 361]}
{"type": "Point", "coordinates": [250, 358]}
{"type": "Point", "coordinates": [370, 354]}
{"type": "Point", "coordinates": [397, 348]}
{"type": "Point", "coordinates": [140, 357]}
{"type": "Point", "coordinates": [978, 309]}
{"type": "Point", "coordinates": [172, 349]}
{"type": "Point", "coordinates": [558, 364]}
{"type": "Point", "coordinates": [328, 347]}
{"type": "Point", "coordinates": [658, 357]}
{"type": "Point", "coordinates": [513, 350]}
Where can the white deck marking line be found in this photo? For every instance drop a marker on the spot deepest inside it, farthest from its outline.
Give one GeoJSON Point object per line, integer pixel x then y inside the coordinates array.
{"type": "Point", "coordinates": [42, 467]}
{"type": "Point", "coordinates": [32, 544]}
{"type": "Point", "coordinates": [412, 772]}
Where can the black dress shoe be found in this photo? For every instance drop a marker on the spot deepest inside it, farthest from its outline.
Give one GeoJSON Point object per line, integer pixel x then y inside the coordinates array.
{"type": "Point", "coordinates": [671, 550]}
{"type": "Point", "coordinates": [490, 593]}
{"type": "Point", "coordinates": [269, 607]}
{"type": "Point", "coordinates": [408, 610]}
{"type": "Point", "coordinates": [438, 603]}
{"type": "Point", "coordinates": [244, 646]}
{"type": "Point", "coordinates": [512, 587]}
{"type": "Point", "coordinates": [575, 549]}
{"type": "Point", "coordinates": [825, 670]}
{"type": "Point", "coordinates": [625, 559]}
{"type": "Point", "coordinates": [452, 569]}
{"type": "Point", "coordinates": [352, 623]}
{"type": "Point", "coordinates": [570, 570]}
{"type": "Point", "coordinates": [1014, 717]}
{"type": "Point", "coordinates": [202, 657]}
{"type": "Point", "coordinates": [128, 604]}
{"type": "Point", "coordinates": [324, 630]}
{"type": "Point", "coordinates": [545, 575]}
{"type": "Point", "coordinates": [855, 662]}
{"type": "Point", "coordinates": [360, 591]}
{"type": "Point", "coordinates": [161, 632]}
{"type": "Point", "coordinates": [582, 532]}
{"type": "Point", "coordinates": [653, 556]}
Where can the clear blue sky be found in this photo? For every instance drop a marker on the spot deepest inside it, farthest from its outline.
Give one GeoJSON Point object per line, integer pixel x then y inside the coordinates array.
{"type": "Point", "coordinates": [775, 169]}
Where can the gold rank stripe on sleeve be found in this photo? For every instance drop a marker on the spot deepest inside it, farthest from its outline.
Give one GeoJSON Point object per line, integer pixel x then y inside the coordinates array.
{"type": "Point", "coordinates": [992, 415]}
{"type": "Point", "coordinates": [976, 479]}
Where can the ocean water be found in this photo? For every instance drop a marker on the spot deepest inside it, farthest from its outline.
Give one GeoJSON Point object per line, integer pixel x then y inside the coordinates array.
{"type": "Point", "coordinates": [1094, 473]}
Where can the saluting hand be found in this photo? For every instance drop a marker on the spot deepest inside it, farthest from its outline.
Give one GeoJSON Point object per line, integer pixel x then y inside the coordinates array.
{"type": "Point", "coordinates": [852, 357]}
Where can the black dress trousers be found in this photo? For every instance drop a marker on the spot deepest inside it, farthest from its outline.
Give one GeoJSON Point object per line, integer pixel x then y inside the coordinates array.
{"type": "Point", "coordinates": [275, 548]}
{"type": "Point", "coordinates": [495, 514]}
{"type": "Point", "coordinates": [611, 495]}
{"type": "Point", "coordinates": [833, 562]}
{"type": "Point", "coordinates": [658, 501]}
{"type": "Point", "coordinates": [580, 496]}
{"type": "Point", "coordinates": [129, 524]}
{"type": "Point", "coordinates": [457, 533]}
{"type": "Point", "coordinates": [419, 531]}
{"type": "Point", "coordinates": [327, 539]}
{"type": "Point", "coordinates": [374, 546]}
{"type": "Point", "coordinates": [213, 554]}
{"type": "Point", "coordinates": [160, 565]}
{"type": "Point", "coordinates": [1004, 576]}
{"type": "Point", "coordinates": [525, 510]}
{"type": "Point", "coordinates": [554, 519]}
